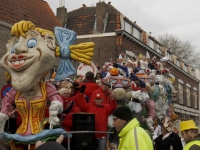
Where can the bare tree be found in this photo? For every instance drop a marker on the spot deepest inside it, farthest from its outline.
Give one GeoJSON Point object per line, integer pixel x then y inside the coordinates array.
{"type": "Point", "coordinates": [183, 49]}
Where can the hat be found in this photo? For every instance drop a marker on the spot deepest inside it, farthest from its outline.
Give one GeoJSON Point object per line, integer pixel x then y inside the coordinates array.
{"type": "Point", "coordinates": [164, 59]}
{"type": "Point", "coordinates": [124, 113]}
{"type": "Point", "coordinates": [189, 124]}
{"type": "Point", "coordinates": [147, 55]}
{"type": "Point", "coordinates": [110, 67]}
{"type": "Point", "coordinates": [106, 83]}
{"type": "Point", "coordinates": [89, 75]}
{"type": "Point", "coordinates": [50, 145]}
{"type": "Point", "coordinates": [98, 96]}
{"type": "Point", "coordinates": [130, 61]}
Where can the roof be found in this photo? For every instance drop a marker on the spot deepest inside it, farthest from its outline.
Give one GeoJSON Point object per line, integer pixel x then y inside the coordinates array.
{"type": "Point", "coordinates": [36, 11]}
{"type": "Point", "coordinates": [82, 20]}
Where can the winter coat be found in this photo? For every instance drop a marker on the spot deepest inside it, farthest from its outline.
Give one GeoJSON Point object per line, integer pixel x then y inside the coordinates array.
{"type": "Point", "coordinates": [67, 118]}
{"type": "Point", "coordinates": [101, 113]}
{"type": "Point", "coordinates": [91, 86]}
{"type": "Point", "coordinates": [129, 142]}
{"type": "Point", "coordinates": [171, 141]}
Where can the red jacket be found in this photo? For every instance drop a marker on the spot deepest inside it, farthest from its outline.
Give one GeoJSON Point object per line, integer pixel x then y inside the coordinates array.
{"type": "Point", "coordinates": [101, 113]}
{"type": "Point", "coordinates": [106, 96]}
{"type": "Point", "coordinates": [90, 87]}
{"type": "Point", "coordinates": [74, 98]}
{"type": "Point", "coordinates": [67, 118]}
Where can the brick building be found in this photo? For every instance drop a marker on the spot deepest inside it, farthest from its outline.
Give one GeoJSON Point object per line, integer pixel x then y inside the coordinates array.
{"type": "Point", "coordinates": [13, 11]}
{"type": "Point", "coordinates": [112, 32]}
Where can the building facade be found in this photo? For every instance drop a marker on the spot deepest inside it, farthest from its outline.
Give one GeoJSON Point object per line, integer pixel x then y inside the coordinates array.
{"type": "Point", "coordinates": [112, 32]}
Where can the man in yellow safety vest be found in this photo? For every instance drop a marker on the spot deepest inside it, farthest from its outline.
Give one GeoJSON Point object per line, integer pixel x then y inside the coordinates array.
{"type": "Point", "coordinates": [191, 135]}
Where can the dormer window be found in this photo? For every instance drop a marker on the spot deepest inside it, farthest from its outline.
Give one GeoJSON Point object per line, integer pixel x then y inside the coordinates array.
{"type": "Point", "coordinates": [151, 43]}
{"type": "Point", "coordinates": [169, 55]}
{"type": "Point", "coordinates": [192, 72]}
{"type": "Point", "coordinates": [158, 47]}
{"type": "Point", "coordinates": [136, 33]}
{"type": "Point", "coordinates": [177, 62]}
{"type": "Point", "coordinates": [127, 26]}
{"type": "Point", "coordinates": [186, 68]}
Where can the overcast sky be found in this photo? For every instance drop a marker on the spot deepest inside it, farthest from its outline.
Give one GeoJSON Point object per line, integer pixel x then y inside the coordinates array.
{"type": "Point", "coordinates": [178, 17]}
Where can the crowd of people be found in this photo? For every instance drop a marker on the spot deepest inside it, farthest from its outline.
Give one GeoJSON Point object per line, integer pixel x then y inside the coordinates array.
{"type": "Point", "coordinates": [123, 97]}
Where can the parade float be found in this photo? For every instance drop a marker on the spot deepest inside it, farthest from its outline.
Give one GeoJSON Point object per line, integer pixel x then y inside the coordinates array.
{"type": "Point", "coordinates": [31, 54]}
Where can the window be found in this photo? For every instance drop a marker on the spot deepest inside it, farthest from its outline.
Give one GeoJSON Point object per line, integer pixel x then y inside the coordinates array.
{"type": "Point", "coordinates": [177, 62]}
{"type": "Point", "coordinates": [188, 96]}
{"type": "Point", "coordinates": [136, 33]}
{"type": "Point", "coordinates": [127, 27]}
{"type": "Point", "coordinates": [158, 48]}
{"type": "Point", "coordinates": [180, 96]}
{"type": "Point", "coordinates": [151, 43]}
{"type": "Point", "coordinates": [186, 68]}
{"type": "Point", "coordinates": [195, 98]}
{"type": "Point", "coordinates": [169, 55]}
{"type": "Point", "coordinates": [192, 72]}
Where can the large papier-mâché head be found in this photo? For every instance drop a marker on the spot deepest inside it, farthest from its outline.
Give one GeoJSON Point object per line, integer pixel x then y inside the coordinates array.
{"type": "Point", "coordinates": [30, 55]}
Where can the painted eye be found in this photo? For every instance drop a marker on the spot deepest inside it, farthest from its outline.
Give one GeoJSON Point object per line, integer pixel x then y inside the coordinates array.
{"type": "Point", "coordinates": [13, 50]}
{"type": "Point", "coordinates": [31, 43]}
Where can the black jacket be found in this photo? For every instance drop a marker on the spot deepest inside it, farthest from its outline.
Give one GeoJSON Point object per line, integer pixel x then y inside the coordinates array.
{"type": "Point", "coordinates": [173, 140]}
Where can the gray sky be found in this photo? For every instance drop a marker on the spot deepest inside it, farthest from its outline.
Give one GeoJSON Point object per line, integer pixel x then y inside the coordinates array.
{"type": "Point", "coordinates": [178, 17]}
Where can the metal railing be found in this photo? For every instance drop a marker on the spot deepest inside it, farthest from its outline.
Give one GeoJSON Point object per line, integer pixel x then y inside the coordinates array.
{"type": "Point", "coordinates": [80, 132]}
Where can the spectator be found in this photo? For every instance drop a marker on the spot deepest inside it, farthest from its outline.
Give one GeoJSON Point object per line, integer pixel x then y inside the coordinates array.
{"type": "Point", "coordinates": [132, 137]}
{"type": "Point", "coordinates": [167, 140]}
{"type": "Point", "coordinates": [79, 79]}
{"type": "Point", "coordinates": [50, 145]}
{"type": "Point", "coordinates": [101, 111]}
{"type": "Point", "coordinates": [98, 78]}
{"type": "Point", "coordinates": [66, 118]}
{"type": "Point", "coordinates": [190, 133]}
{"type": "Point", "coordinates": [90, 83]}
{"type": "Point", "coordinates": [104, 90]}
{"type": "Point", "coordinates": [144, 63]}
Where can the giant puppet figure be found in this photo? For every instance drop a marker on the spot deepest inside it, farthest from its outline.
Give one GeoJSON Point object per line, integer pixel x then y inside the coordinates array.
{"type": "Point", "coordinates": [31, 53]}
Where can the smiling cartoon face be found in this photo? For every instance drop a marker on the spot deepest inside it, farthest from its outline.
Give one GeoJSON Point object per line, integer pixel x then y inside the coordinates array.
{"type": "Point", "coordinates": [29, 58]}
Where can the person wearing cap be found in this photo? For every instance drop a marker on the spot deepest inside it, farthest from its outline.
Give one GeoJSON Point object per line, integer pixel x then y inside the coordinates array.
{"type": "Point", "coordinates": [167, 140]}
{"type": "Point", "coordinates": [104, 90]}
{"type": "Point", "coordinates": [190, 133]}
{"type": "Point", "coordinates": [101, 112]}
{"type": "Point", "coordinates": [132, 137]}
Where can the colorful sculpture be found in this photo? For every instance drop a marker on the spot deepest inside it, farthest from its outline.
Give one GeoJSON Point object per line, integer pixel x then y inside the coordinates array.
{"type": "Point", "coordinates": [31, 53]}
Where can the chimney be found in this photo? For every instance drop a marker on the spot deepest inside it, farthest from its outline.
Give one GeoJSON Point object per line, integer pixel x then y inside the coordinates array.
{"type": "Point", "coordinates": [109, 3]}
{"type": "Point", "coordinates": [100, 16]}
{"type": "Point", "coordinates": [61, 14]}
{"type": "Point", "coordinates": [84, 5]}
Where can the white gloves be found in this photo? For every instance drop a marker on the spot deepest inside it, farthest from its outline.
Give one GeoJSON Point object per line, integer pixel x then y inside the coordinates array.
{"type": "Point", "coordinates": [55, 108]}
{"type": "Point", "coordinates": [3, 119]}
